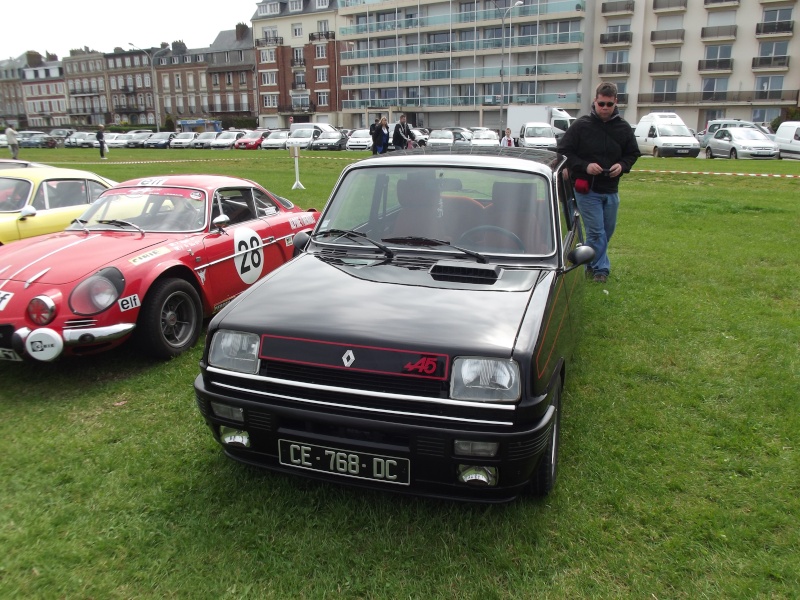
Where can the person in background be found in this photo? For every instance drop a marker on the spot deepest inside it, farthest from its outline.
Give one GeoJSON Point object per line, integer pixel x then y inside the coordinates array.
{"type": "Point", "coordinates": [372, 129]}
{"type": "Point", "coordinates": [402, 134]}
{"type": "Point", "coordinates": [599, 147]}
{"type": "Point", "coordinates": [507, 139]}
{"type": "Point", "coordinates": [380, 139]}
{"type": "Point", "coordinates": [102, 141]}
{"type": "Point", "coordinates": [13, 142]}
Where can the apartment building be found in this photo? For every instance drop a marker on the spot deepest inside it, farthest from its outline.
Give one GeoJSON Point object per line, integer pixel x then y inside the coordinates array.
{"type": "Point", "coordinates": [704, 59]}
{"type": "Point", "coordinates": [45, 94]}
{"type": "Point", "coordinates": [297, 62]}
{"type": "Point", "coordinates": [231, 74]}
{"type": "Point", "coordinates": [85, 79]}
{"type": "Point", "coordinates": [12, 97]}
{"type": "Point", "coordinates": [182, 82]}
{"type": "Point", "coordinates": [131, 89]}
{"type": "Point", "coordinates": [459, 62]}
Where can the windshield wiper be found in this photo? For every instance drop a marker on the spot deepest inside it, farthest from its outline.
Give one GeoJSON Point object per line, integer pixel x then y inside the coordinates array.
{"type": "Point", "coordinates": [82, 223]}
{"type": "Point", "coordinates": [120, 223]}
{"type": "Point", "coordinates": [424, 241]}
{"type": "Point", "coordinates": [349, 233]}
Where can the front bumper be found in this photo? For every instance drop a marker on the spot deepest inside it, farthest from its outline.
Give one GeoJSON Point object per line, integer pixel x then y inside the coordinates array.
{"type": "Point", "coordinates": [45, 344]}
{"type": "Point", "coordinates": [432, 468]}
{"type": "Point", "coordinates": [667, 151]}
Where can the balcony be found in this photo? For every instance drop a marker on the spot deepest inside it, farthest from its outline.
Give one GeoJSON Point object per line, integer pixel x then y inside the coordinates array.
{"type": "Point", "coordinates": [269, 41]}
{"type": "Point", "coordinates": [624, 7]}
{"type": "Point", "coordinates": [719, 33]}
{"type": "Point", "coordinates": [298, 62]}
{"type": "Point", "coordinates": [775, 28]}
{"type": "Point", "coordinates": [779, 63]}
{"type": "Point", "coordinates": [721, 3]}
{"type": "Point", "coordinates": [321, 35]}
{"type": "Point", "coordinates": [621, 38]}
{"type": "Point", "coordinates": [294, 109]}
{"type": "Point", "coordinates": [716, 64]}
{"type": "Point", "coordinates": [744, 97]}
{"type": "Point", "coordinates": [662, 6]}
{"type": "Point", "coordinates": [670, 67]}
{"type": "Point", "coordinates": [614, 69]}
{"type": "Point", "coordinates": [667, 36]}
{"type": "Point", "coordinates": [298, 85]}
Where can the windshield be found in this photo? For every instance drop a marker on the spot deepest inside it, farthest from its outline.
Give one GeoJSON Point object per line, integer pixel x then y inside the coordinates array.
{"type": "Point", "coordinates": [13, 194]}
{"type": "Point", "coordinates": [747, 133]}
{"type": "Point", "coordinates": [302, 133]}
{"type": "Point", "coordinates": [207, 135]}
{"type": "Point", "coordinates": [141, 136]}
{"type": "Point", "coordinates": [228, 135]}
{"type": "Point", "coordinates": [147, 208]}
{"type": "Point", "coordinates": [360, 133]}
{"type": "Point", "coordinates": [160, 136]}
{"type": "Point", "coordinates": [544, 132]}
{"type": "Point", "coordinates": [185, 136]}
{"type": "Point", "coordinates": [490, 211]}
{"type": "Point", "coordinates": [277, 135]}
{"type": "Point", "coordinates": [485, 135]}
{"type": "Point", "coordinates": [674, 131]}
{"type": "Point", "coordinates": [328, 135]}
{"type": "Point", "coordinates": [441, 135]}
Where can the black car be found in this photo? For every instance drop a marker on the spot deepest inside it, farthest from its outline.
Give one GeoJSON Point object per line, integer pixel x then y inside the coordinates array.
{"type": "Point", "coordinates": [420, 340]}
{"type": "Point", "coordinates": [330, 140]}
{"type": "Point", "coordinates": [159, 140]}
{"type": "Point", "coordinates": [137, 140]}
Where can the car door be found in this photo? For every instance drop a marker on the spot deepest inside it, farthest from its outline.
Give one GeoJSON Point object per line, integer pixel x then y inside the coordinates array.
{"type": "Point", "coordinates": [242, 252]}
{"type": "Point", "coordinates": [571, 234]}
{"type": "Point", "coordinates": [57, 203]}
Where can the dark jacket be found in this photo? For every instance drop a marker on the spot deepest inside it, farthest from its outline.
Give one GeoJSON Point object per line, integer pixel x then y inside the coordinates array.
{"type": "Point", "coordinates": [380, 139]}
{"type": "Point", "coordinates": [402, 133]}
{"type": "Point", "coordinates": [589, 139]}
{"type": "Point", "coordinates": [99, 136]}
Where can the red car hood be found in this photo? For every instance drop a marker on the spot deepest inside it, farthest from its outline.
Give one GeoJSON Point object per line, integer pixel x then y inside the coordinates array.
{"type": "Point", "coordinates": [65, 257]}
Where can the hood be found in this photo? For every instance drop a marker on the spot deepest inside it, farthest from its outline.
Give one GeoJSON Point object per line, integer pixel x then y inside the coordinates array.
{"type": "Point", "coordinates": [67, 257]}
{"type": "Point", "coordinates": [386, 305]}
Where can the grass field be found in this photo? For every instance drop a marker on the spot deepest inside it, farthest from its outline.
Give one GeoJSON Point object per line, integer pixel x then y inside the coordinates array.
{"type": "Point", "coordinates": [679, 466]}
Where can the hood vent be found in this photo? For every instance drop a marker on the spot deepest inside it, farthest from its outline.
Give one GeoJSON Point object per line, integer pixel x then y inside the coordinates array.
{"type": "Point", "coordinates": [458, 272]}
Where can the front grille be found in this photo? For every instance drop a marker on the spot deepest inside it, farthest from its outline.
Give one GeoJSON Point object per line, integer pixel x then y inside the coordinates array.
{"type": "Point", "coordinates": [79, 323]}
{"type": "Point", "coordinates": [430, 446]}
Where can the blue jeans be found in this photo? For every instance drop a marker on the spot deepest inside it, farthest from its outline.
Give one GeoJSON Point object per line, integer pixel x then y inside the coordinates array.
{"type": "Point", "coordinates": [599, 213]}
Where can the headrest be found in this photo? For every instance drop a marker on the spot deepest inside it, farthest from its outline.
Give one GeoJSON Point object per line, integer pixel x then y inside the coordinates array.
{"type": "Point", "coordinates": [416, 192]}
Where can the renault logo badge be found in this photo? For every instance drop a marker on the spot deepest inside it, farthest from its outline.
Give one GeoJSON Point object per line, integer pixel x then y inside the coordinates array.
{"type": "Point", "coordinates": [348, 358]}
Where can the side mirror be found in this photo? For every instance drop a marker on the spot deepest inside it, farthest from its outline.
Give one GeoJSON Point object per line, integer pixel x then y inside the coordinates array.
{"type": "Point", "coordinates": [27, 211]}
{"type": "Point", "coordinates": [221, 222]}
{"type": "Point", "coordinates": [300, 241]}
{"type": "Point", "coordinates": [580, 255]}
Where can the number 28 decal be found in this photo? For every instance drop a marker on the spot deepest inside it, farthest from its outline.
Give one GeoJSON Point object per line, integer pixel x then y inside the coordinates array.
{"type": "Point", "coordinates": [248, 254]}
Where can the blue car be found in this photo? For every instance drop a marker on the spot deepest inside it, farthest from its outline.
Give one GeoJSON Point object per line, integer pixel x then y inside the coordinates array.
{"type": "Point", "coordinates": [159, 140]}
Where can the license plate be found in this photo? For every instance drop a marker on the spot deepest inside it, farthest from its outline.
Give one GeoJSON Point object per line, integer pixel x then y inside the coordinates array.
{"type": "Point", "coordinates": [337, 461]}
{"type": "Point", "coordinates": [683, 152]}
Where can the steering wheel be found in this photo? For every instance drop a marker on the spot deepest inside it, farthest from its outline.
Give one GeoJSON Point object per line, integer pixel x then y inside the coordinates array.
{"type": "Point", "coordinates": [509, 235]}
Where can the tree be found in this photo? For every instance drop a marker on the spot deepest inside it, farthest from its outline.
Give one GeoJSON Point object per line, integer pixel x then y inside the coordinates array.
{"type": "Point", "coordinates": [169, 124]}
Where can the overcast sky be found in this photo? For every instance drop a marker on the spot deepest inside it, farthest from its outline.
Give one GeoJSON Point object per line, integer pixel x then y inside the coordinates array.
{"type": "Point", "coordinates": [57, 26]}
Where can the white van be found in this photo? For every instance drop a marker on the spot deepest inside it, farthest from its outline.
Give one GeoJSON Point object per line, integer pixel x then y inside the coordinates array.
{"type": "Point", "coordinates": [788, 139]}
{"type": "Point", "coordinates": [537, 135]}
{"type": "Point", "coordinates": [665, 134]}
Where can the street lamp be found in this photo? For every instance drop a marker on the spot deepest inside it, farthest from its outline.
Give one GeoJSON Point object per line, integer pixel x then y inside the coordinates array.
{"type": "Point", "coordinates": [502, 56]}
{"type": "Point", "coordinates": [152, 58]}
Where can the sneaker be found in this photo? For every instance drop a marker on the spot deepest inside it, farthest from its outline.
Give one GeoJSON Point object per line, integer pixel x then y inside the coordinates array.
{"type": "Point", "coordinates": [103, 158]}
{"type": "Point", "coordinates": [600, 278]}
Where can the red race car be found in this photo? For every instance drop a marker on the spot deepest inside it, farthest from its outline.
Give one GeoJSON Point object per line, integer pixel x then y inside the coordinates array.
{"type": "Point", "coordinates": [149, 260]}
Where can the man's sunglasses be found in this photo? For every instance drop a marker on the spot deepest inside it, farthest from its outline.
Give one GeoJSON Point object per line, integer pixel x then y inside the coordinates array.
{"type": "Point", "coordinates": [604, 104]}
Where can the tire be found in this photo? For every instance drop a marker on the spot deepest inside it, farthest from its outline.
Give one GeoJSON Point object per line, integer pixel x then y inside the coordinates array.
{"type": "Point", "coordinates": [734, 155]}
{"type": "Point", "coordinates": [709, 153]}
{"type": "Point", "coordinates": [170, 320]}
{"type": "Point", "coordinates": [655, 152]}
{"type": "Point", "coordinates": [544, 477]}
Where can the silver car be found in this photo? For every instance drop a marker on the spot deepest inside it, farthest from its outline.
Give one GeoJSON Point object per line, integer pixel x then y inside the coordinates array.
{"type": "Point", "coordinates": [740, 142]}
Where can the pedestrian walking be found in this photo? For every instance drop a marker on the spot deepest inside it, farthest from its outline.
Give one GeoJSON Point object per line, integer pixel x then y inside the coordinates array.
{"type": "Point", "coordinates": [13, 142]}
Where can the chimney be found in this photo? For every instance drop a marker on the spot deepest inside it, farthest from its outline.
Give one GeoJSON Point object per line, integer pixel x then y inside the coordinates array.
{"type": "Point", "coordinates": [241, 31]}
{"type": "Point", "coordinates": [33, 58]}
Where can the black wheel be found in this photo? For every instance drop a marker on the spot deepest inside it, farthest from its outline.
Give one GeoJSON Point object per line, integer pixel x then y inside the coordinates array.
{"type": "Point", "coordinates": [544, 477]}
{"type": "Point", "coordinates": [655, 152]}
{"type": "Point", "coordinates": [709, 153]}
{"type": "Point", "coordinates": [509, 235]}
{"type": "Point", "coordinates": [170, 320]}
{"type": "Point", "coordinates": [734, 155]}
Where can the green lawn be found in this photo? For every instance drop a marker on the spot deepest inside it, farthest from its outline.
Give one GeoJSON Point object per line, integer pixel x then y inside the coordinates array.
{"type": "Point", "coordinates": [679, 466]}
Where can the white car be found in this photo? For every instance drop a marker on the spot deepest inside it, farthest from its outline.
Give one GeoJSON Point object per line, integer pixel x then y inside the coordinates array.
{"type": "Point", "coordinates": [300, 138]}
{"type": "Point", "coordinates": [107, 138]}
{"type": "Point", "coordinates": [485, 137]}
{"type": "Point", "coordinates": [226, 139]}
{"type": "Point", "coordinates": [360, 139]}
{"type": "Point", "coordinates": [183, 140]}
{"type": "Point", "coordinates": [119, 140]}
{"type": "Point", "coordinates": [203, 141]}
{"type": "Point", "coordinates": [276, 140]}
{"type": "Point", "coordinates": [538, 135]}
{"type": "Point", "coordinates": [446, 137]}
{"type": "Point", "coordinates": [420, 137]}
{"type": "Point", "coordinates": [3, 140]}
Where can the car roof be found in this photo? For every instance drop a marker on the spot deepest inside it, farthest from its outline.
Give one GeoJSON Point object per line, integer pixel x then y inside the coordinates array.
{"type": "Point", "coordinates": [41, 173]}
{"type": "Point", "coordinates": [527, 159]}
{"type": "Point", "coordinates": [205, 182]}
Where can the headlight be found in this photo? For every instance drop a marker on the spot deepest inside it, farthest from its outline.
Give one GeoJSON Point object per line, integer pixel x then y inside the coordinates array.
{"type": "Point", "coordinates": [96, 293]}
{"type": "Point", "coordinates": [41, 310]}
{"type": "Point", "coordinates": [234, 351]}
{"type": "Point", "coordinates": [485, 380]}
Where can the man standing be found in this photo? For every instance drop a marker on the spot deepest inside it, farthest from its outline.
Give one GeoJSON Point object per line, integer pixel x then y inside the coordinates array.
{"type": "Point", "coordinates": [13, 142]}
{"type": "Point", "coordinates": [402, 134]}
{"type": "Point", "coordinates": [599, 147]}
{"type": "Point", "coordinates": [372, 129]}
{"type": "Point", "coordinates": [101, 138]}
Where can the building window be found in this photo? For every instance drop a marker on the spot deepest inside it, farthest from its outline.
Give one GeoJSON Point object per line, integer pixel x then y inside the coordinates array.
{"type": "Point", "coordinates": [215, 79]}
{"type": "Point", "coordinates": [297, 55]}
{"type": "Point", "coordinates": [242, 77]}
{"type": "Point", "coordinates": [321, 51]}
{"type": "Point", "coordinates": [178, 81]}
{"type": "Point", "coordinates": [322, 98]}
{"type": "Point", "coordinates": [190, 81]}
{"type": "Point", "coordinates": [322, 75]}
{"type": "Point", "coordinates": [718, 52]}
{"type": "Point", "coordinates": [297, 29]}
{"type": "Point", "coordinates": [229, 78]}
{"type": "Point", "coordinates": [268, 78]}
{"type": "Point", "coordinates": [176, 60]}
{"type": "Point", "coordinates": [245, 102]}
{"type": "Point", "coordinates": [199, 58]}
{"type": "Point", "coordinates": [769, 87]}
{"type": "Point", "coordinates": [664, 90]}
{"type": "Point", "coordinates": [273, 8]}
{"type": "Point", "coordinates": [138, 81]}
{"type": "Point", "coordinates": [230, 102]}
{"type": "Point", "coordinates": [322, 4]}
{"type": "Point", "coordinates": [270, 100]}
{"type": "Point", "coordinates": [773, 49]}
{"type": "Point", "coordinates": [322, 26]}
{"type": "Point", "coordinates": [187, 58]}
{"type": "Point", "coordinates": [715, 88]}
{"type": "Point", "coordinates": [295, 5]}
